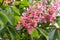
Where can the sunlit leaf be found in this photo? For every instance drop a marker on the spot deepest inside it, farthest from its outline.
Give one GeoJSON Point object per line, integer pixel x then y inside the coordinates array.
{"type": "Point", "coordinates": [35, 33]}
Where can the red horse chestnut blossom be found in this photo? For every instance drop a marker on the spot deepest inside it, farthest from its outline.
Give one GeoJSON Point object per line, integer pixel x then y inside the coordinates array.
{"type": "Point", "coordinates": [35, 13]}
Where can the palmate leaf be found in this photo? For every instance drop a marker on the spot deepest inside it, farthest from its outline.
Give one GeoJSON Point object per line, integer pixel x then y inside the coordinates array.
{"type": "Point", "coordinates": [4, 18]}
{"type": "Point", "coordinates": [12, 16]}
{"type": "Point", "coordinates": [14, 19]}
{"type": "Point", "coordinates": [9, 18]}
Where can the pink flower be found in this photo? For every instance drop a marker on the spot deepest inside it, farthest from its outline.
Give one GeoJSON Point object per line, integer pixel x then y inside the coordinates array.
{"type": "Point", "coordinates": [35, 13]}
{"type": "Point", "coordinates": [18, 25]}
{"type": "Point", "coordinates": [29, 30]}
{"type": "Point", "coordinates": [44, 19]}
{"type": "Point", "coordinates": [55, 4]}
{"type": "Point", "coordinates": [28, 10]}
{"type": "Point", "coordinates": [51, 11]}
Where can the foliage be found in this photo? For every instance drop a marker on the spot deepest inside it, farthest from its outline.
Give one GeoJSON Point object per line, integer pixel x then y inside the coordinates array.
{"type": "Point", "coordinates": [10, 15]}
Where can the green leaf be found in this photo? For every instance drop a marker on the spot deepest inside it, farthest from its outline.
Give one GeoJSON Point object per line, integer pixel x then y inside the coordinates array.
{"type": "Point", "coordinates": [16, 10]}
{"type": "Point", "coordinates": [11, 34]}
{"type": "Point", "coordinates": [58, 20]}
{"type": "Point", "coordinates": [49, 1]}
{"type": "Point", "coordinates": [55, 0]}
{"type": "Point", "coordinates": [51, 35]}
{"type": "Point", "coordinates": [1, 1]}
{"type": "Point", "coordinates": [58, 34]}
{"type": "Point", "coordinates": [35, 33]}
{"type": "Point", "coordinates": [5, 6]}
{"type": "Point", "coordinates": [43, 32]}
{"type": "Point", "coordinates": [1, 25]}
{"type": "Point", "coordinates": [58, 24]}
{"type": "Point", "coordinates": [5, 18]}
{"type": "Point", "coordinates": [16, 19]}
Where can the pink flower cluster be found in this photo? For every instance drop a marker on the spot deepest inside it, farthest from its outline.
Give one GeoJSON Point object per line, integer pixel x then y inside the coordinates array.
{"type": "Point", "coordinates": [50, 12]}
{"type": "Point", "coordinates": [30, 19]}
{"type": "Point", "coordinates": [8, 1]}
{"type": "Point", "coordinates": [35, 13]}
